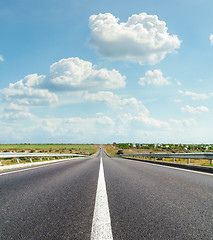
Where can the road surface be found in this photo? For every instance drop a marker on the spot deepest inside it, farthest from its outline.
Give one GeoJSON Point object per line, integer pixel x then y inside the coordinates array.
{"type": "Point", "coordinates": [142, 201]}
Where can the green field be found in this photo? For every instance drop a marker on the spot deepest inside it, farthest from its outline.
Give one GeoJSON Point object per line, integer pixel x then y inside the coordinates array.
{"type": "Point", "coordinates": [8, 147]}
{"type": "Point", "coordinates": [112, 149]}
{"type": "Point", "coordinates": [84, 149]}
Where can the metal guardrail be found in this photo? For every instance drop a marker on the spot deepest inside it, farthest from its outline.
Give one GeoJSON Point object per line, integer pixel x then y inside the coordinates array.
{"type": "Point", "coordinates": [7, 155]}
{"type": "Point", "coordinates": [188, 156]}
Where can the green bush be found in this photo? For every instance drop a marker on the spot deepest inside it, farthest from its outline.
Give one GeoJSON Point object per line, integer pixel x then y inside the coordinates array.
{"type": "Point", "coordinates": [119, 152]}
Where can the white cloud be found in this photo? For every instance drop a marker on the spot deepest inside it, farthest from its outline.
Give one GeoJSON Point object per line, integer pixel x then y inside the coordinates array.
{"type": "Point", "coordinates": [31, 80]}
{"type": "Point", "coordinates": [150, 122]}
{"type": "Point", "coordinates": [178, 83]}
{"type": "Point", "coordinates": [179, 124]}
{"type": "Point", "coordinates": [211, 39]}
{"type": "Point", "coordinates": [177, 100]}
{"type": "Point", "coordinates": [143, 38]}
{"type": "Point", "coordinates": [194, 110]}
{"type": "Point", "coordinates": [105, 120]}
{"type": "Point", "coordinates": [22, 93]}
{"type": "Point", "coordinates": [194, 96]}
{"type": "Point", "coordinates": [78, 129]}
{"type": "Point", "coordinates": [116, 102]}
{"type": "Point", "coordinates": [74, 74]}
{"type": "Point", "coordinates": [69, 75]}
{"type": "Point", "coordinates": [13, 107]}
{"type": "Point", "coordinates": [17, 116]}
{"type": "Point", "coordinates": [154, 77]}
{"type": "Point", "coordinates": [128, 109]}
{"type": "Point", "coordinates": [77, 74]}
{"type": "Point", "coordinates": [1, 58]}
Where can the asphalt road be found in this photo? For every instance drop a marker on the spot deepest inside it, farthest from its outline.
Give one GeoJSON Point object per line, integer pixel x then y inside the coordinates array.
{"type": "Point", "coordinates": [145, 201]}
{"type": "Point", "coordinates": [52, 202]}
{"type": "Point", "coordinates": [153, 202]}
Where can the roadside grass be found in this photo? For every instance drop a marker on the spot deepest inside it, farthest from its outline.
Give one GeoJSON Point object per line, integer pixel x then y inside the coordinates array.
{"type": "Point", "coordinates": [25, 147]}
{"type": "Point", "coordinates": [84, 149]}
{"type": "Point", "coordinates": [112, 150]}
{"type": "Point", "coordinates": [196, 162]}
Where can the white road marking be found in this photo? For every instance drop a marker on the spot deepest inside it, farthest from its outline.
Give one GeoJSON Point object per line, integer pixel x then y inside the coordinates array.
{"type": "Point", "coordinates": [181, 169]}
{"type": "Point", "coordinates": [101, 225]}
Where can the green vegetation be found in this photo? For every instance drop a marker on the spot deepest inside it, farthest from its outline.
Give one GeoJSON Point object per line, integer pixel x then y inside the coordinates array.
{"type": "Point", "coordinates": [138, 148]}
{"type": "Point", "coordinates": [167, 147]}
{"type": "Point", "coordinates": [120, 152]}
{"type": "Point", "coordinates": [84, 149]}
{"type": "Point", "coordinates": [18, 147]}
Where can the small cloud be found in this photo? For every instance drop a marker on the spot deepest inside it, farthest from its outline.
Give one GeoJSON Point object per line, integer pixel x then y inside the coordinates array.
{"type": "Point", "coordinates": [105, 120]}
{"type": "Point", "coordinates": [154, 78]}
{"type": "Point", "coordinates": [185, 123]}
{"type": "Point", "coordinates": [1, 58]}
{"type": "Point", "coordinates": [177, 100]}
{"type": "Point", "coordinates": [193, 95]}
{"type": "Point", "coordinates": [150, 122]}
{"type": "Point", "coordinates": [194, 110]}
{"type": "Point", "coordinates": [178, 83]}
{"type": "Point", "coordinates": [211, 39]}
{"type": "Point", "coordinates": [18, 116]}
{"type": "Point", "coordinates": [100, 114]}
{"type": "Point", "coordinates": [13, 107]}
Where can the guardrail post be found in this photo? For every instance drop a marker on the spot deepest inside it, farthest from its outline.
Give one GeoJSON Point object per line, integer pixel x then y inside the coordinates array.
{"type": "Point", "coordinates": [40, 158]}
{"type": "Point", "coordinates": [163, 159]}
{"type": "Point", "coordinates": [48, 158]}
{"type": "Point", "coordinates": [155, 159]}
{"type": "Point", "coordinates": [188, 161]}
{"type": "Point", "coordinates": [31, 159]}
{"type": "Point", "coordinates": [173, 159]}
{"type": "Point", "coordinates": [211, 161]}
{"type": "Point", "coordinates": [17, 160]}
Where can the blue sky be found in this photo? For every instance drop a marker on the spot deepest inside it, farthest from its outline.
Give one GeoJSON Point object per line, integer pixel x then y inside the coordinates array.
{"type": "Point", "coordinates": [104, 71]}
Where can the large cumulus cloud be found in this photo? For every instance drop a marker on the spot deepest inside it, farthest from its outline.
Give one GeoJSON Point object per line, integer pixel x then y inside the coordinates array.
{"type": "Point", "coordinates": [143, 38]}
{"type": "Point", "coordinates": [66, 75]}
{"type": "Point", "coordinates": [77, 74]}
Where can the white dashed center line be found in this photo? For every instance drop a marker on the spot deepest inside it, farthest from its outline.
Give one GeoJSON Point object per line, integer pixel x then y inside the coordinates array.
{"type": "Point", "coordinates": [101, 225]}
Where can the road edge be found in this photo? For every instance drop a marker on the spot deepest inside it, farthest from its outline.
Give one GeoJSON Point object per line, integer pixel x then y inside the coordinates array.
{"type": "Point", "coordinates": [175, 165]}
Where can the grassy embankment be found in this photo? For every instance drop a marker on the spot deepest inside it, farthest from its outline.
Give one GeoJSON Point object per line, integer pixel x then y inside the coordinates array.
{"type": "Point", "coordinates": [84, 149]}
{"type": "Point", "coordinates": [113, 149]}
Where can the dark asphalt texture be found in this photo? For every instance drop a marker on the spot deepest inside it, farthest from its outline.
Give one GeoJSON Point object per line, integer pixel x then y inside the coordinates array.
{"type": "Point", "coordinates": [154, 202]}
{"type": "Point", "coordinates": [54, 202]}
{"type": "Point", "coordinates": [145, 201]}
